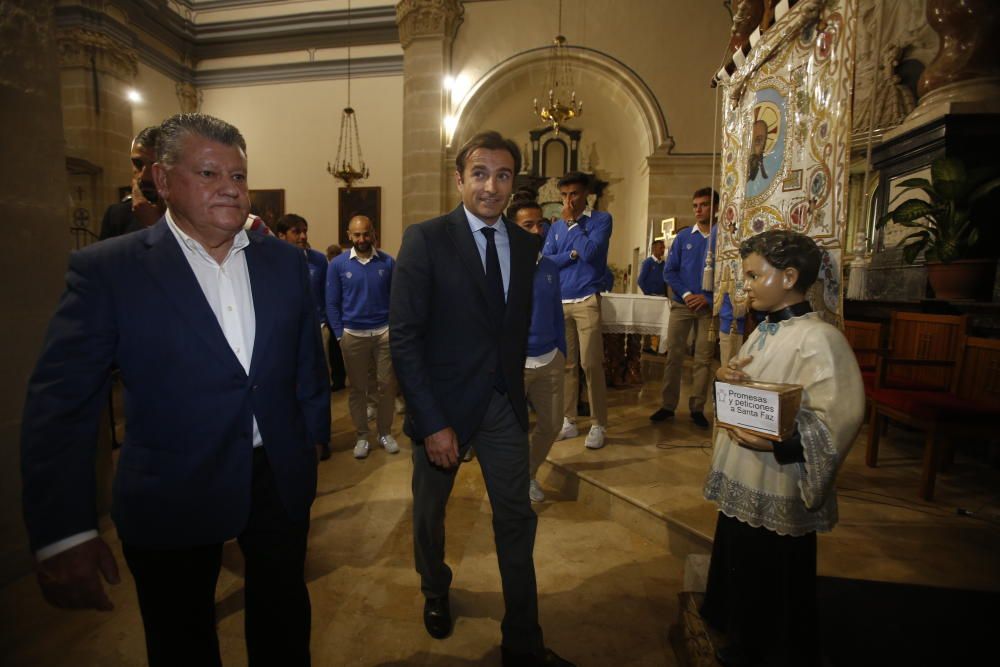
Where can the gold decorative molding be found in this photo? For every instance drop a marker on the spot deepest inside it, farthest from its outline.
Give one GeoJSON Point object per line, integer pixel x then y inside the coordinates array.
{"type": "Point", "coordinates": [78, 45]}
{"type": "Point", "coordinates": [189, 96]}
{"type": "Point", "coordinates": [428, 18]}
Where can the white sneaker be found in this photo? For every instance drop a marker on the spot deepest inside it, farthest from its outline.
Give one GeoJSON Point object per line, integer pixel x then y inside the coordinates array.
{"type": "Point", "coordinates": [535, 492]}
{"type": "Point", "coordinates": [595, 439]}
{"type": "Point", "coordinates": [361, 449]}
{"type": "Point", "coordinates": [389, 443]}
{"type": "Point", "coordinates": [569, 430]}
{"type": "Point", "coordinates": [371, 413]}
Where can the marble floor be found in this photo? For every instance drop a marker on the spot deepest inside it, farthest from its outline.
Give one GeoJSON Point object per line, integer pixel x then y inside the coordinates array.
{"type": "Point", "coordinates": [609, 555]}
{"type": "Point", "coordinates": [607, 595]}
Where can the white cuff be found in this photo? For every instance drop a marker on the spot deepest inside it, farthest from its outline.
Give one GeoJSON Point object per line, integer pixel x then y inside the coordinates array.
{"type": "Point", "coordinates": [64, 544]}
{"type": "Point", "coordinates": [685, 295]}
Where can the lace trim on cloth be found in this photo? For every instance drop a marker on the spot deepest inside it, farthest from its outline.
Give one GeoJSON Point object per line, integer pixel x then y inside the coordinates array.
{"type": "Point", "coordinates": [816, 475]}
{"type": "Point", "coordinates": [785, 515]}
{"type": "Point", "coordinates": [815, 510]}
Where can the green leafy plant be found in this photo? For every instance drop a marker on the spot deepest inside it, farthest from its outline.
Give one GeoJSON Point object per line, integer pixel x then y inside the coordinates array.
{"type": "Point", "coordinates": [945, 224]}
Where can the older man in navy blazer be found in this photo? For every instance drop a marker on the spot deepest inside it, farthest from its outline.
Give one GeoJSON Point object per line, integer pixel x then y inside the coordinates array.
{"type": "Point", "coordinates": [215, 333]}
{"type": "Point", "coordinates": [458, 323]}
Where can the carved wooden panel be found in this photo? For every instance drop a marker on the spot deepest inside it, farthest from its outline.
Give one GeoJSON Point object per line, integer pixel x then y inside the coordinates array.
{"type": "Point", "coordinates": [864, 336]}
{"type": "Point", "coordinates": [980, 378]}
{"type": "Point", "coordinates": [929, 338]}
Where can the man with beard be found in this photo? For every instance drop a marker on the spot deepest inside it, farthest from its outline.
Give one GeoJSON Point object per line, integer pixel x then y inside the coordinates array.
{"type": "Point", "coordinates": [144, 207]}
{"type": "Point", "coordinates": [357, 308]}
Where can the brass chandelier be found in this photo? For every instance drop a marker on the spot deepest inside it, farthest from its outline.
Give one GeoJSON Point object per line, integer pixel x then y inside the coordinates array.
{"type": "Point", "coordinates": [349, 147]}
{"type": "Point", "coordinates": [557, 112]}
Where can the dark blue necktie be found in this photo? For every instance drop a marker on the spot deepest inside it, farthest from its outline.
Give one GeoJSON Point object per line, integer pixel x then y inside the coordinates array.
{"type": "Point", "coordinates": [495, 301]}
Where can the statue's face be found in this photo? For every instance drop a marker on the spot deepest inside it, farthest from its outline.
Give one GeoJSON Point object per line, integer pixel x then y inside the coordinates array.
{"type": "Point", "coordinates": [768, 287]}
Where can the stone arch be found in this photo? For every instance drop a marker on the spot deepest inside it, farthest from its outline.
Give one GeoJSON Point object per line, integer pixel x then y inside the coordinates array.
{"type": "Point", "coordinates": [530, 68]}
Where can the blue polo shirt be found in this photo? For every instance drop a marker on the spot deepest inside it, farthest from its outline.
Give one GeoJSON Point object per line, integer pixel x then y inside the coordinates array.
{"type": "Point", "coordinates": [685, 264]}
{"type": "Point", "coordinates": [357, 295]}
{"type": "Point", "coordinates": [726, 317]}
{"type": "Point", "coordinates": [548, 329]}
{"type": "Point", "coordinates": [316, 261]}
{"type": "Point", "coordinates": [590, 237]}
{"type": "Point", "coordinates": [650, 279]}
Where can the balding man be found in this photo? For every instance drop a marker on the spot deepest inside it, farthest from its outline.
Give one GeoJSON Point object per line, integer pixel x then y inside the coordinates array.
{"type": "Point", "coordinates": [357, 309]}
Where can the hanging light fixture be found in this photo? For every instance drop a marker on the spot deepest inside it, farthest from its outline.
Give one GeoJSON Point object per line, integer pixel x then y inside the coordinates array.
{"type": "Point", "coordinates": [556, 113]}
{"type": "Point", "coordinates": [349, 165]}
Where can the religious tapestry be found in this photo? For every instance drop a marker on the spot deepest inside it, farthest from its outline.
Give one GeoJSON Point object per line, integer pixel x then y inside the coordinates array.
{"type": "Point", "coordinates": [786, 138]}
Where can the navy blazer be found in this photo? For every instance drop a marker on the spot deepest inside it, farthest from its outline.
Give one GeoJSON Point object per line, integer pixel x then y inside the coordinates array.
{"type": "Point", "coordinates": [184, 474]}
{"type": "Point", "coordinates": [444, 348]}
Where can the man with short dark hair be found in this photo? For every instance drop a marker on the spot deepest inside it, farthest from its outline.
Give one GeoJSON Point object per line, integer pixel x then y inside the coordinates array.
{"type": "Point", "coordinates": [142, 207]}
{"type": "Point", "coordinates": [578, 244]}
{"type": "Point", "coordinates": [460, 306]}
{"type": "Point", "coordinates": [546, 362]}
{"type": "Point", "coordinates": [294, 229]}
{"type": "Point", "coordinates": [357, 307]}
{"type": "Point", "coordinates": [218, 344]}
{"type": "Point", "coordinates": [691, 306]}
{"type": "Point", "coordinates": [650, 279]}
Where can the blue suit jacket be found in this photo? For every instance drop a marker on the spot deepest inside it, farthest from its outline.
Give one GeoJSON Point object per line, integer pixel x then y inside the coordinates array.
{"type": "Point", "coordinates": [184, 474]}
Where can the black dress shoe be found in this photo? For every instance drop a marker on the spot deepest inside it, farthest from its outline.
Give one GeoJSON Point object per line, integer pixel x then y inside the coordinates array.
{"type": "Point", "coordinates": [661, 415]}
{"type": "Point", "coordinates": [324, 451]}
{"type": "Point", "coordinates": [547, 659]}
{"type": "Point", "coordinates": [699, 419]}
{"type": "Point", "coordinates": [437, 617]}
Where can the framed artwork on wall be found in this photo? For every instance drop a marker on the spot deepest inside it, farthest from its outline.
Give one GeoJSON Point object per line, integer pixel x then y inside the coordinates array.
{"type": "Point", "coordinates": [268, 204]}
{"type": "Point", "coordinates": [358, 201]}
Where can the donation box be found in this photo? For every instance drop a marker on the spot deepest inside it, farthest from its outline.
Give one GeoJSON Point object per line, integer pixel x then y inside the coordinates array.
{"type": "Point", "coordinates": [767, 409]}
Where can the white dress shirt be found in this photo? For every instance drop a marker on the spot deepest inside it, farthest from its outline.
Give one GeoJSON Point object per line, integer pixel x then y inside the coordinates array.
{"type": "Point", "coordinates": [502, 242]}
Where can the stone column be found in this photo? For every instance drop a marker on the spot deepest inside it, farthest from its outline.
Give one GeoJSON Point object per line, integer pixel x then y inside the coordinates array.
{"type": "Point", "coordinates": [34, 206]}
{"type": "Point", "coordinates": [97, 71]}
{"type": "Point", "coordinates": [426, 30]}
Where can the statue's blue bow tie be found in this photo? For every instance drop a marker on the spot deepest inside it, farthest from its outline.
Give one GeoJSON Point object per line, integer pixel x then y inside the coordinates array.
{"type": "Point", "coordinates": [766, 328]}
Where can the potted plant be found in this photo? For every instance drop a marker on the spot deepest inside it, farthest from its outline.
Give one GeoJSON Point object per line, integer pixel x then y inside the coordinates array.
{"type": "Point", "coordinates": [950, 228]}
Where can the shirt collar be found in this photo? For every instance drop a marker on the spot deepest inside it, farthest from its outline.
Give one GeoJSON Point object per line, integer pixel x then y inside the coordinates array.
{"type": "Point", "coordinates": [475, 223]}
{"type": "Point", "coordinates": [240, 240]}
{"type": "Point", "coordinates": [354, 254]}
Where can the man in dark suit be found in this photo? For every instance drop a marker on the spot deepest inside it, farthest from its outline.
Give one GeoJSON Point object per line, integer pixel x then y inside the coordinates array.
{"type": "Point", "coordinates": [458, 317]}
{"type": "Point", "coordinates": [215, 333]}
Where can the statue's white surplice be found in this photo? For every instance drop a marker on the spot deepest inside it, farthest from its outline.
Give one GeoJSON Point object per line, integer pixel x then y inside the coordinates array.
{"type": "Point", "coordinates": [795, 498]}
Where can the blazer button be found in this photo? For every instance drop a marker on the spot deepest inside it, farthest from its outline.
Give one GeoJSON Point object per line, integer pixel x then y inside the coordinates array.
{"type": "Point", "coordinates": [254, 387]}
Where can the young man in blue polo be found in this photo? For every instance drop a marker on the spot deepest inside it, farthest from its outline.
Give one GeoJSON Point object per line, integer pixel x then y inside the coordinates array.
{"type": "Point", "coordinates": [357, 307]}
{"type": "Point", "coordinates": [578, 244]}
{"type": "Point", "coordinates": [690, 306]}
{"type": "Point", "coordinates": [546, 353]}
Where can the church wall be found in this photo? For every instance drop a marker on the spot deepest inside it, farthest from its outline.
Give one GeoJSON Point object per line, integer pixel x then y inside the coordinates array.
{"type": "Point", "coordinates": [292, 132]}
{"type": "Point", "coordinates": [673, 45]}
{"type": "Point", "coordinates": [159, 98]}
{"type": "Point", "coordinates": [34, 204]}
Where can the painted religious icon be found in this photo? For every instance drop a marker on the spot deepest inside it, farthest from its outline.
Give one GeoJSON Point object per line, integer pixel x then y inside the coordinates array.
{"type": "Point", "coordinates": [766, 141]}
